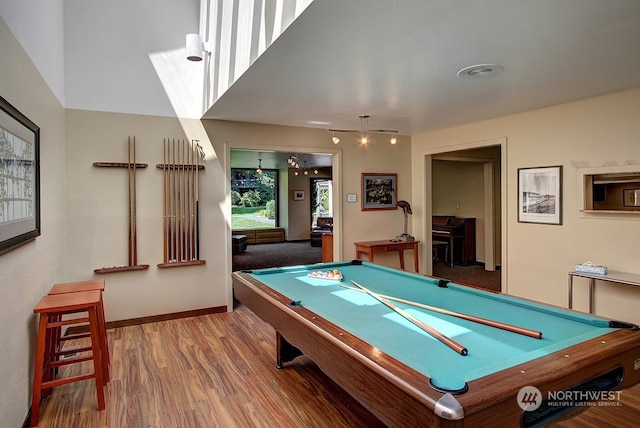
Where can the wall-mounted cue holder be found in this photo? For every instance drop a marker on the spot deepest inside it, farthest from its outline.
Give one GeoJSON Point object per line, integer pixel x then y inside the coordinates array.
{"type": "Point", "coordinates": [132, 168]}
{"type": "Point", "coordinates": [180, 167]}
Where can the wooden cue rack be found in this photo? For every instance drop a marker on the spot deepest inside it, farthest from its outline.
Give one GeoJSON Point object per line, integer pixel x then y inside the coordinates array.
{"type": "Point", "coordinates": [132, 168]}
{"type": "Point", "coordinates": [180, 189]}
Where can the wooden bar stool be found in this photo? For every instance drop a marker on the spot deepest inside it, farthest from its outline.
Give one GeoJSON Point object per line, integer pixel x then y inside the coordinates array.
{"type": "Point", "coordinates": [80, 286]}
{"type": "Point", "coordinates": [51, 309]}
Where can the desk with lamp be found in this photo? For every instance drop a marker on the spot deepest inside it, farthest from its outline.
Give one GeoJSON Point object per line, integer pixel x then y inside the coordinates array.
{"type": "Point", "coordinates": [400, 243]}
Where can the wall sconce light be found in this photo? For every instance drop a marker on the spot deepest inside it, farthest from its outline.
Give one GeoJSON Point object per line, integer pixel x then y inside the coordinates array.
{"type": "Point", "coordinates": [365, 131]}
{"type": "Point", "coordinates": [195, 47]}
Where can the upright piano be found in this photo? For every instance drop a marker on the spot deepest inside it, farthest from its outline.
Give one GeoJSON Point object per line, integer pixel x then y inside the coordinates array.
{"type": "Point", "coordinates": [460, 233]}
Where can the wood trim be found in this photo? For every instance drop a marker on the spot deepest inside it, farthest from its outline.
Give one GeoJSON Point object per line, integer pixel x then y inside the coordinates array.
{"type": "Point", "coordinates": [153, 318]}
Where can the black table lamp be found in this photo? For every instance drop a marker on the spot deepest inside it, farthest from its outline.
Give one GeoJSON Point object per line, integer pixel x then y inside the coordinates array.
{"type": "Point", "coordinates": [407, 210]}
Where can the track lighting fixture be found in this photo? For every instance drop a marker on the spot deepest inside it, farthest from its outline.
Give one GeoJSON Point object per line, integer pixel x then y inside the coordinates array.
{"type": "Point", "coordinates": [335, 139]}
{"type": "Point", "coordinates": [195, 47]}
{"type": "Point", "coordinates": [365, 132]}
{"type": "Point", "coordinates": [295, 164]}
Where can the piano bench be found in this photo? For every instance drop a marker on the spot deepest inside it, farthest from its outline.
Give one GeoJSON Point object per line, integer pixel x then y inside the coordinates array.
{"type": "Point", "coordinates": [437, 247]}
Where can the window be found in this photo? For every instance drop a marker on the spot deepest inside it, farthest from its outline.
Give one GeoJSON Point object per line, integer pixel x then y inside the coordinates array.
{"type": "Point", "coordinates": [321, 199]}
{"type": "Point", "coordinates": [254, 198]}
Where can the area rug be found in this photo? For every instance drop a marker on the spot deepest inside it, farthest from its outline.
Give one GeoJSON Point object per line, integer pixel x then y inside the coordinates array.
{"type": "Point", "coordinates": [259, 256]}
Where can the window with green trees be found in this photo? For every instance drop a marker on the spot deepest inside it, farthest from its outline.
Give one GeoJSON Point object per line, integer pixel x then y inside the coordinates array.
{"type": "Point", "coordinates": [254, 198]}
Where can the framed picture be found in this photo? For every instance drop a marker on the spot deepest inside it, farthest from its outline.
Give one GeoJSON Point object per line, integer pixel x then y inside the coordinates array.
{"type": "Point", "coordinates": [298, 195]}
{"type": "Point", "coordinates": [631, 197]}
{"type": "Point", "coordinates": [19, 178]}
{"type": "Point", "coordinates": [540, 195]}
{"type": "Point", "coordinates": [379, 191]}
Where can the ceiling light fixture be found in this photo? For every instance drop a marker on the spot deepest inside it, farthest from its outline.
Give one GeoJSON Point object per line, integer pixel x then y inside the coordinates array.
{"type": "Point", "coordinates": [195, 47]}
{"type": "Point", "coordinates": [480, 71]}
{"type": "Point", "coordinates": [294, 163]}
{"type": "Point", "coordinates": [335, 139]}
{"type": "Point", "coordinates": [259, 169]}
{"type": "Point", "coordinates": [365, 131]}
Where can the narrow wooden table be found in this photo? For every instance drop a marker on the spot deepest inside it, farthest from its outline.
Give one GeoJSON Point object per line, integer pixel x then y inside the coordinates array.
{"type": "Point", "coordinates": [384, 246]}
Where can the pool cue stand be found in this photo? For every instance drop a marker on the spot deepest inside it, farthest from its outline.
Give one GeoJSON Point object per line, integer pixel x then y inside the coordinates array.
{"type": "Point", "coordinates": [131, 167]}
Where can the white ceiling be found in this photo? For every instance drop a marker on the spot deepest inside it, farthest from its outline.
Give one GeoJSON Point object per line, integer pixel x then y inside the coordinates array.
{"type": "Point", "coordinates": [395, 60]}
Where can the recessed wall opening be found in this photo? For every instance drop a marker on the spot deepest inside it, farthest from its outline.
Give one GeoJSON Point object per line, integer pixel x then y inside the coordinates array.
{"type": "Point", "coordinates": [618, 192]}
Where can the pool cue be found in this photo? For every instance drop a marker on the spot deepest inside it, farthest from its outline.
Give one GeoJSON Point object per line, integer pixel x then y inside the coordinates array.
{"type": "Point", "coordinates": [433, 332]}
{"type": "Point", "coordinates": [164, 196]}
{"type": "Point", "coordinates": [183, 205]}
{"type": "Point", "coordinates": [134, 242]}
{"type": "Point", "coordinates": [187, 208]}
{"type": "Point", "coordinates": [180, 197]}
{"type": "Point", "coordinates": [193, 202]}
{"type": "Point", "coordinates": [169, 203]}
{"type": "Point", "coordinates": [497, 324]}
{"type": "Point", "coordinates": [130, 256]}
{"type": "Point", "coordinates": [164, 205]}
{"type": "Point", "coordinates": [189, 198]}
{"type": "Point", "coordinates": [174, 232]}
{"type": "Point", "coordinates": [197, 202]}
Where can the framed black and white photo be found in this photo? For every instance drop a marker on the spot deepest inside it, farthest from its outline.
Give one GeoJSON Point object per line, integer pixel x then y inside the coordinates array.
{"type": "Point", "coordinates": [298, 195]}
{"type": "Point", "coordinates": [19, 178]}
{"type": "Point", "coordinates": [540, 195]}
{"type": "Point", "coordinates": [631, 197]}
{"type": "Point", "coordinates": [379, 191]}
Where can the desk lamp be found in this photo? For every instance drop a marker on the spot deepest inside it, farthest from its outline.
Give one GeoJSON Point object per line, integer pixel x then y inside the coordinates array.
{"type": "Point", "coordinates": [407, 210]}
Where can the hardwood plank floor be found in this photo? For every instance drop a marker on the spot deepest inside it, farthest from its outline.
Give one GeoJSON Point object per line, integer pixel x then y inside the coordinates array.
{"type": "Point", "coordinates": [219, 371]}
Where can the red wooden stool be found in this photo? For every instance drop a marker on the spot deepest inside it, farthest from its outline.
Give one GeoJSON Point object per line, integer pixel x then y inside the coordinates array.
{"type": "Point", "coordinates": [79, 286]}
{"type": "Point", "coordinates": [51, 308]}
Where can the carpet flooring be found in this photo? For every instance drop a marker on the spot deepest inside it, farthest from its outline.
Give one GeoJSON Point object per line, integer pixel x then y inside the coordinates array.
{"type": "Point", "coordinates": [469, 275]}
{"type": "Point", "coordinates": [260, 256]}
{"type": "Point", "coordinates": [295, 253]}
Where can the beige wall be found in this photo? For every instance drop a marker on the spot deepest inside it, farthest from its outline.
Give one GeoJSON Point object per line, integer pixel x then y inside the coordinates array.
{"type": "Point", "coordinates": [600, 133]}
{"type": "Point", "coordinates": [27, 273]}
{"type": "Point", "coordinates": [458, 190]}
{"type": "Point", "coordinates": [351, 159]}
{"type": "Point", "coordinates": [299, 212]}
{"type": "Point", "coordinates": [98, 226]}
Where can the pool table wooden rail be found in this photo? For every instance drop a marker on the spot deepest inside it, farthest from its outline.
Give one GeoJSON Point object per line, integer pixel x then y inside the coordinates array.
{"type": "Point", "coordinates": [390, 390]}
{"type": "Point", "coordinates": [400, 396]}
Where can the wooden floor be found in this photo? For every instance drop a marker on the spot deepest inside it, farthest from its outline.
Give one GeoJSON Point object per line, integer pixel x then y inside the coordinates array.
{"type": "Point", "coordinates": [219, 371]}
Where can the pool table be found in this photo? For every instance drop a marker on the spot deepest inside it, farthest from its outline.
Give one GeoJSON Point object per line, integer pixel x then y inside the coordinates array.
{"type": "Point", "coordinates": [407, 377]}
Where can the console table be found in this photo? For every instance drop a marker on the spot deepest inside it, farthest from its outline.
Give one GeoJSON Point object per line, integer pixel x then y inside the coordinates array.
{"type": "Point", "coordinates": [384, 246]}
{"type": "Point", "coordinates": [611, 276]}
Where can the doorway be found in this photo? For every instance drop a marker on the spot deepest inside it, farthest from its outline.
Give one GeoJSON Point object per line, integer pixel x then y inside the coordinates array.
{"type": "Point", "coordinates": [321, 199]}
{"type": "Point", "coordinates": [467, 184]}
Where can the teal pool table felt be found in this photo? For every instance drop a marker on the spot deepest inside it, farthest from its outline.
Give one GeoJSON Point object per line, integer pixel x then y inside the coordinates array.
{"type": "Point", "coordinates": [489, 349]}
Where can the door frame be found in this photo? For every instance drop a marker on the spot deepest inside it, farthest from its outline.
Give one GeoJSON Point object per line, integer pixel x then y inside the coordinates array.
{"type": "Point", "coordinates": [427, 195]}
